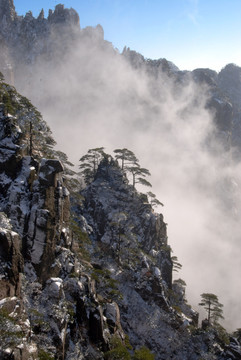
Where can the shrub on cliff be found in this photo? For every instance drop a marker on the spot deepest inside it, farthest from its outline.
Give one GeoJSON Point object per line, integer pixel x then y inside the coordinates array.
{"type": "Point", "coordinates": [143, 354]}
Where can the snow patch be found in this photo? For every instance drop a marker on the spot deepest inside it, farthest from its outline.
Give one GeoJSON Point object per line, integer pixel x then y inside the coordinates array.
{"type": "Point", "coordinates": [5, 300]}
{"type": "Point", "coordinates": [54, 287]}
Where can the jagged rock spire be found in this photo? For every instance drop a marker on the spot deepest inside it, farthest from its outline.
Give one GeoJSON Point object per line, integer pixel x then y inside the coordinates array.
{"type": "Point", "coordinates": [61, 15]}
{"type": "Point", "coordinates": [7, 10]}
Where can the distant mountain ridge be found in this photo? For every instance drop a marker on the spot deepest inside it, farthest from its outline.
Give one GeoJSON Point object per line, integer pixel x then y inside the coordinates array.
{"type": "Point", "coordinates": [27, 41]}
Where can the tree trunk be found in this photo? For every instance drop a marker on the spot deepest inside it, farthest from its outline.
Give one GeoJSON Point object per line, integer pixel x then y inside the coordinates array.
{"type": "Point", "coordinates": [30, 138]}
{"type": "Point", "coordinates": [209, 311]}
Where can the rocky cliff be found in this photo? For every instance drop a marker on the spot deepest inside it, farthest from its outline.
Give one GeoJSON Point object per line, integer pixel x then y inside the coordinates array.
{"type": "Point", "coordinates": [88, 274]}
{"type": "Point", "coordinates": [49, 303]}
{"type": "Point", "coordinates": [88, 281]}
{"type": "Point", "coordinates": [52, 300]}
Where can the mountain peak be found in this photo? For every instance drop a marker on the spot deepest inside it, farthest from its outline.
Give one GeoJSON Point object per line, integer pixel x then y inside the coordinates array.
{"type": "Point", "coordinates": [61, 15]}
{"type": "Point", "coordinates": [7, 10]}
{"type": "Point", "coordinates": [109, 170]}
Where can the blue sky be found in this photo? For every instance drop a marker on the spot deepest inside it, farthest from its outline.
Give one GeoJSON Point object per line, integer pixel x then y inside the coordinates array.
{"type": "Point", "coordinates": [190, 33]}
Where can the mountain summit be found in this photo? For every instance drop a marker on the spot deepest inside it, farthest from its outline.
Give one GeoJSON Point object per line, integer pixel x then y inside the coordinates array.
{"type": "Point", "coordinates": [7, 11]}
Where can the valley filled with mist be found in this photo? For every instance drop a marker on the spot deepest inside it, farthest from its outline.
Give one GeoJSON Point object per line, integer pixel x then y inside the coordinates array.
{"type": "Point", "coordinates": [93, 96]}
{"type": "Point", "coordinates": [184, 127]}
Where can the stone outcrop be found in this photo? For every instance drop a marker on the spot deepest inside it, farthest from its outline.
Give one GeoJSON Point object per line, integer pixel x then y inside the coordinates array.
{"type": "Point", "coordinates": [33, 196]}
{"type": "Point", "coordinates": [38, 206]}
{"type": "Point", "coordinates": [116, 211]}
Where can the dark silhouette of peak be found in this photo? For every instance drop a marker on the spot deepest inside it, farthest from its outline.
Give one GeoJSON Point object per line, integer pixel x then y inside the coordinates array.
{"type": "Point", "coordinates": [137, 60]}
{"type": "Point", "coordinates": [207, 76]}
{"type": "Point", "coordinates": [229, 79]}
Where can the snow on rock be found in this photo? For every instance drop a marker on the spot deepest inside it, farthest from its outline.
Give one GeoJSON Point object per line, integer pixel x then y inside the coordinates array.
{"type": "Point", "coordinates": [122, 220]}
{"type": "Point", "coordinates": [5, 221]}
{"type": "Point", "coordinates": [33, 199]}
{"type": "Point", "coordinates": [54, 287]}
{"type": "Point", "coordinates": [157, 272]}
{"type": "Point", "coordinates": [29, 271]}
{"type": "Point", "coordinates": [84, 224]}
{"type": "Point", "coordinates": [48, 170]}
{"type": "Point", "coordinates": [5, 300]}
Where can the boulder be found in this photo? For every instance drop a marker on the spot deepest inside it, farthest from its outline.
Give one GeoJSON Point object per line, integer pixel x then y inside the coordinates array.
{"type": "Point", "coordinates": [48, 170]}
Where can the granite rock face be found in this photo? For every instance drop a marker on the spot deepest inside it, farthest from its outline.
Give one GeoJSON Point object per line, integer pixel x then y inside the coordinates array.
{"type": "Point", "coordinates": [114, 208]}
{"type": "Point", "coordinates": [44, 283]}
{"type": "Point", "coordinates": [33, 196]}
{"type": "Point", "coordinates": [11, 261]}
{"type": "Point", "coordinates": [229, 80]}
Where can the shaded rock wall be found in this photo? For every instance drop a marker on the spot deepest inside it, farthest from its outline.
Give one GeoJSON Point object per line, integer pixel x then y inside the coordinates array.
{"type": "Point", "coordinates": [11, 264]}
{"type": "Point", "coordinates": [44, 284]}
{"type": "Point", "coordinates": [37, 203]}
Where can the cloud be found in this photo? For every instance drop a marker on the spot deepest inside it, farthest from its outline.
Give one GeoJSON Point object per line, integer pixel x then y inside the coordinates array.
{"type": "Point", "coordinates": [93, 97]}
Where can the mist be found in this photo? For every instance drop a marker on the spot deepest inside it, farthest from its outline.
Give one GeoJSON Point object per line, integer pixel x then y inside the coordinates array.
{"type": "Point", "coordinates": [92, 97]}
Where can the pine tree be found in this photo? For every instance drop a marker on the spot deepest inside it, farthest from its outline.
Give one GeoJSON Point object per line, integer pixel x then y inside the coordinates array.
{"type": "Point", "coordinates": [138, 175]}
{"type": "Point", "coordinates": [11, 332]}
{"type": "Point", "coordinates": [180, 282]}
{"type": "Point", "coordinates": [153, 200]}
{"type": "Point", "coordinates": [143, 354]}
{"type": "Point", "coordinates": [126, 156]}
{"type": "Point", "coordinates": [36, 137]}
{"type": "Point", "coordinates": [212, 306]}
{"type": "Point", "coordinates": [130, 163]}
{"type": "Point", "coordinates": [90, 162]}
{"type": "Point", "coordinates": [176, 265]}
